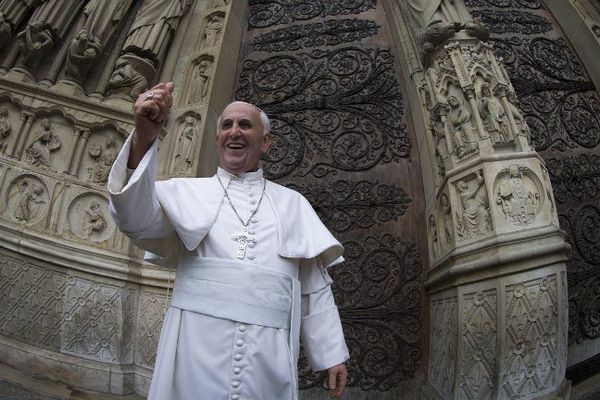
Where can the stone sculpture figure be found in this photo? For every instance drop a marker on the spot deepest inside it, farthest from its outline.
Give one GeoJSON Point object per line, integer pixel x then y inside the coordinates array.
{"type": "Point", "coordinates": [493, 115]}
{"type": "Point", "coordinates": [39, 153]}
{"type": "Point", "coordinates": [435, 243]}
{"type": "Point", "coordinates": [103, 16]}
{"type": "Point", "coordinates": [475, 216]}
{"type": "Point", "coordinates": [15, 10]}
{"type": "Point", "coordinates": [130, 76]}
{"type": "Point", "coordinates": [461, 128]}
{"type": "Point", "coordinates": [30, 199]}
{"type": "Point", "coordinates": [34, 41]}
{"type": "Point", "coordinates": [447, 215]}
{"type": "Point", "coordinates": [153, 27]}
{"type": "Point", "coordinates": [185, 154]}
{"type": "Point", "coordinates": [213, 30]}
{"type": "Point", "coordinates": [104, 158]}
{"type": "Point", "coordinates": [83, 51]}
{"type": "Point", "coordinates": [201, 81]}
{"type": "Point", "coordinates": [93, 220]}
{"type": "Point", "coordinates": [5, 129]}
{"type": "Point", "coordinates": [428, 12]}
{"type": "Point", "coordinates": [519, 204]}
{"type": "Point", "coordinates": [518, 117]}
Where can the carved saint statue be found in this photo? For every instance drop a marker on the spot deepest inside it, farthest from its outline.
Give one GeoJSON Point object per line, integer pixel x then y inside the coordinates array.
{"type": "Point", "coordinates": [201, 81]}
{"type": "Point", "coordinates": [5, 129]}
{"type": "Point", "coordinates": [93, 220]}
{"type": "Point", "coordinates": [130, 76]}
{"type": "Point", "coordinates": [461, 128]}
{"type": "Point", "coordinates": [184, 156]}
{"type": "Point", "coordinates": [29, 202]}
{"type": "Point", "coordinates": [153, 27]}
{"type": "Point", "coordinates": [493, 115]}
{"type": "Point", "coordinates": [518, 117]}
{"type": "Point", "coordinates": [83, 51]}
{"type": "Point", "coordinates": [213, 30]}
{"type": "Point", "coordinates": [39, 153]}
{"type": "Point", "coordinates": [103, 16]}
{"type": "Point", "coordinates": [435, 243]}
{"type": "Point", "coordinates": [104, 158]}
{"type": "Point", "coordinates": [518, 202]}
{"type": "Point", "coordinates": [475, 217]}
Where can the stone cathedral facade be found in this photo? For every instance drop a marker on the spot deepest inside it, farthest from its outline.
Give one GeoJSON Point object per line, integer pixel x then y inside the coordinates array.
{"type": "Point", "coordinates": [452, 146]}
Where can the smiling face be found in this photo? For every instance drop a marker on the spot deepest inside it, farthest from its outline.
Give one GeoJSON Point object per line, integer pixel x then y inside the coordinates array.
{"type": "Point", "coordinates": [240, 139]}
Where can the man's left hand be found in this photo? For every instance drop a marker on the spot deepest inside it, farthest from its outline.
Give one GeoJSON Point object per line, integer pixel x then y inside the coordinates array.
{"type": "Point", "coordinates": [337, 380]}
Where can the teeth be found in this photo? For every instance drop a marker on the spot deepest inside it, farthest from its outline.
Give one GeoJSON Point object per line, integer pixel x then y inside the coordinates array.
{"type": "Point", "coordinates": [235, 146]}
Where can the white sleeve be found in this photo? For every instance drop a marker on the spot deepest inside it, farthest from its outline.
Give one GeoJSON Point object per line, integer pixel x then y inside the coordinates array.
{"type": "Point", "coordinates": [133, 202]}
{"type": "Point", "coordinates": [321, 328]}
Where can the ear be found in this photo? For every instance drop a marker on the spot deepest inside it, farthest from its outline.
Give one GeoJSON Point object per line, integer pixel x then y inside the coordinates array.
{"type": "Point", "coordinates": [267, 140]}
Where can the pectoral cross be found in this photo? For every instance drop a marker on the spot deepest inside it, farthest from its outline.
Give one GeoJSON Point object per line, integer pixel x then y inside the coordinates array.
{"type": "Point", "coordinates": [243, 238]}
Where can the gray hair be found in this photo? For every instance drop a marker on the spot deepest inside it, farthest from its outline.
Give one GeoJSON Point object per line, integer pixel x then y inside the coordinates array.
{"type": "Point", "coordinates": [264, 119]}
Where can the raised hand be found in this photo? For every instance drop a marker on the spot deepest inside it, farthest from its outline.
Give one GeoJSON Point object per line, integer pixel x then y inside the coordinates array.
{"type": "Point", "coordinates": [150, 111]}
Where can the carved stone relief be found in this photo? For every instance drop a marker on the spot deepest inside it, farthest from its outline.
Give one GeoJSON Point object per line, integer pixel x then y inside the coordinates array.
{"type": "Point", "coordinates": [434, 239]}
{"type": "Point", "coordinates": [519, 194]}
{"type": "Point", "coordinates": [443, 337]}
{"type": "Point", "coordinates": [473, 218]}
{"type": "Point", "coordinates": [101, 152]}
{"type": "Point", "coordinates": [32, 302]}
{"type": "Point", "coordinates": [92, 314]}
{"type": "Point", "coordinates": [478, 366]}
{"type": "Point", "coordinates": [213, 30]}
{"type": "Point", "coordinates": [446, 216]}
{"type": "Point", "coordinates": [460, 125]}
{"type": "Point", "coordinates": [201, 79]}
{"type": "Point", "coordinates": [130, 77]}
{"type": "Point", "coordinates": [27, 200]}
{"type": "Point", "coordinates": [5, 130]}
{"type": "Point", "coordinates": [45, 142]}
{"type": "Point", "coordinates": [185, 151]}
{"type": "Point", "coordinates": [151, 313]}
{"type": "Point", "coordinates": [85, 48]}
{"type": "Point", "coordinates": [493, 114]}
{"type": "Point", "coordinates": [89, 219]}
{"type": "Point", "coordinates": [532, 326]}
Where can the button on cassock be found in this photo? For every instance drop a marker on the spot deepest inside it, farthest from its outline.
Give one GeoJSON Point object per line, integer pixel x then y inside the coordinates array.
{"type": "Point", "coordinates": [239, 342]}
{"type": "Point", "coordinates": [242, 328]}
{"type": "Point", "coordinates": [236, 384]}
{"type": "Point", "coordinates": [235, 396]}
{"type": "Point", "coordinates": [237, 370]}
{"type": "Point", "coordinates": [237, 357]}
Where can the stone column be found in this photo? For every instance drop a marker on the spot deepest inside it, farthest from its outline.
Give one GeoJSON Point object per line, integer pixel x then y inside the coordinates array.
{"type": "Point", "coordinates": [497, 284]}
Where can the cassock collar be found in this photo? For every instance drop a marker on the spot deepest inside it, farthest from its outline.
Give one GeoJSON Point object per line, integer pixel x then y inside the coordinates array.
{"type": "Point", "coordinates": [243, 176]}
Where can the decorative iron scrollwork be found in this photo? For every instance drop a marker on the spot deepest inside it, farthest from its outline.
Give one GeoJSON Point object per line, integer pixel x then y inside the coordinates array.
{"type": "Point", "coordinates": [379, 294]}
{"type": "Point", "coordinates": [331, 111]}
{"type": "Point", "coordinates": [347, 205]}
{"type": "Point", "coordinates": [266, 13]}
{"type": "Point", "coordinates": [328, 33]}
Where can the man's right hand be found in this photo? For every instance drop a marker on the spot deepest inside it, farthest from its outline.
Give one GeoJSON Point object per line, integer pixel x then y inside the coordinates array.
{"type": "Point", "coordinates": [150, 112]}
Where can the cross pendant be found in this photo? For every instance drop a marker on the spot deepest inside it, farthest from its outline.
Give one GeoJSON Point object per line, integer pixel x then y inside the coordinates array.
{"type": "Point", "coordinates": [243, 238]}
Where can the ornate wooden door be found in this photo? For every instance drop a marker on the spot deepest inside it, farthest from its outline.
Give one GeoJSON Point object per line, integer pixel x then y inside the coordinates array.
{"type": "Point", "coordinates": [324, 73]}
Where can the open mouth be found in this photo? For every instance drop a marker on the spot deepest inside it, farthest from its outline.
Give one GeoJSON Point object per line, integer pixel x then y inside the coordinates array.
{"type": "Point", "coordinates": [235, 146]}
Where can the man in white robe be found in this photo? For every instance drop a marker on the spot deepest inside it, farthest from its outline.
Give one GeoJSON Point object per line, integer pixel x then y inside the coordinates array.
{"type": "Point", "coordinates": [251, 260]}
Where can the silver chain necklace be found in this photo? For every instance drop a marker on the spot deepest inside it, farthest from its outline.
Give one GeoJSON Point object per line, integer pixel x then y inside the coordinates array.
{"type": "Point", "coordinates": [243, 238]}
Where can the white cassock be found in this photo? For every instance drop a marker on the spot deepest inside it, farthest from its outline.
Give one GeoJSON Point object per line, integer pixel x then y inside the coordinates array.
{"type": "Point", "coordinates": [216, 343]}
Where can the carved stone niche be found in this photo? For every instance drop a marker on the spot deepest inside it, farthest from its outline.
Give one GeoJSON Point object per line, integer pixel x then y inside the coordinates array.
{"type": "Point", "coordinates": [472, 210]}
{"type": "Point", "coordinates": [200, 75]}
{"type": "Point", "coordinates": [9, 125]}
{"type": "Point", "coordinates": [27, 200]}
{"type": "Point", "coordinates": [100, 152]}
{"type": "Point", "coordinates": [50, 142]}
{"type": "Point", "coordinates": [185, 146]}
{"type": "Point", "coordinates": [518, 194]}
{"type": "Point", "coordinates": [213, 29]}
{"type": "Point", "coordinates": [88, 218]}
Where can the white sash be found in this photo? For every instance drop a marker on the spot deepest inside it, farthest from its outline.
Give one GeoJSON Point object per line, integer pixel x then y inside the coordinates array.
{"type": "Point", "coordinates": [242, 292]}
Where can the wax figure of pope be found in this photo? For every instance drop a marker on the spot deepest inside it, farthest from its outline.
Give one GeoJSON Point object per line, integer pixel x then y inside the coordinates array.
{"type": "Point", "coordinates": [251, 258]}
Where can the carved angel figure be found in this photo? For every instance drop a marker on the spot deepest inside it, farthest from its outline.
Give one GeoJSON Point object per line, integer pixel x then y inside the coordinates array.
{"type": "Point", "coordinates": [39, 153]}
